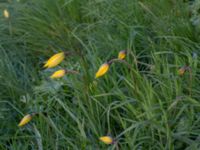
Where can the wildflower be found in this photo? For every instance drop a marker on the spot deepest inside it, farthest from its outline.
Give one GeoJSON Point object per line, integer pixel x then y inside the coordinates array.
{"type": "Point", "coordinates": [182, 70]}
{"type": "Point", "coordinates": [106, 139]}
{"type": "Point", "coordinates": [122, 54]}
{"type": "Point", "coordinates": [25, 120]}
{"type": "Point", "coordinates": [6, 13]}
{"type": "Point", "coordinates": [102, 70]}
{"type": "Point", "coordinates": [55, 60]}
{"type": "Point", "coordinates": [58, 74]}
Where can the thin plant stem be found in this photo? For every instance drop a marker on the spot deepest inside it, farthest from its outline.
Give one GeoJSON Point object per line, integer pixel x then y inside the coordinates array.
{"type": "Point", "coordinates": [72, 71]}
{"type": "Point", "coordinates": [121, 61]}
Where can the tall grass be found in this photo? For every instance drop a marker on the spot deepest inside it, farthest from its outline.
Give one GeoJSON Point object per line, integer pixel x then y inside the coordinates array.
{"type": "Point", "coordinates": [142, 104]}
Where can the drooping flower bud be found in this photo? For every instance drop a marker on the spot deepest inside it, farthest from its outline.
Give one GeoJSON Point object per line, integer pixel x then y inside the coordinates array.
{"type": "Point", "coordinates": [55, 60]}
{"type": "Point", "coordinates": [58, 74]}
{"type": "Point", "coordinates": [102, 70]}
{"type": "Point", "coordinates": [106, 139]}
{"type": "Point", "coordinates": [26, 119]}
{"type": "Point", "coordinates": [122, 55]}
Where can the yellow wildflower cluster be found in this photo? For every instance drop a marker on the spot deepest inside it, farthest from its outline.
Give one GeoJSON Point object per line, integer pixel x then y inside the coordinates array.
{"type": "Point", "coordinates": [105, 67]}
{"type": "Point", "coordinates": [58, 58]}
{"type": "Point", "coordinates": [53, 62]}
{"type": "Point", "coordinates": [50, 63]}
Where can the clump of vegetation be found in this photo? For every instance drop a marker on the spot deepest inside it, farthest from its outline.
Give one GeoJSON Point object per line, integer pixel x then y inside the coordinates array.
{"type": "Point", "coordinates": [143, 97]}
{"type": "Point", "coordinates": [195, 13]}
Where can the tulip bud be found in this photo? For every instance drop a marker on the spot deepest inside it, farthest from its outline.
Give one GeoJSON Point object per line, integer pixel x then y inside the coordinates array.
{"type": "Point", "coordinates": [122, 55]}
{"type": "Point", "coordinates": [102, 70]}
{"type": "Point", "coordinates": [6, 13]}
{"type": "Point", "coordinates": [26, 119]}
{"type": "Point", "coordinates": [58, 74]}
{"type": "Point", "coordinates": [106, 139]}
{"type": "Point", "coordinates": [55, 60]}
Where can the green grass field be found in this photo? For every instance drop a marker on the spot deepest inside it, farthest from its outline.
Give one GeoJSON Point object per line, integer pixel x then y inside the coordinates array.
{"type": "Point", "coordinates": [143, 102]}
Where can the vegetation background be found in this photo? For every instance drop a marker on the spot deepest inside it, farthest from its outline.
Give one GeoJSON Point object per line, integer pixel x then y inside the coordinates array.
{"type": "Point", "coordinates": [146, 106]}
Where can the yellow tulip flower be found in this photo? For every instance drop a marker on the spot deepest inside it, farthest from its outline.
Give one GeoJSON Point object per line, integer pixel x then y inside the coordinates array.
{"type": "Point", "coordinates": [25, 120]}
{"type": "Point", "coordinates": [106, 139]}
{"type": "Point", "coordinates": [102, 70]}
{"type": "Point", "coordinates": [6, 13]}
{"type": "Point", "coordinates": [58, 74]}
{"type": "Point", "coordinates": [55, 60]}
{"type": "Point", "coordinates": [122, 54]}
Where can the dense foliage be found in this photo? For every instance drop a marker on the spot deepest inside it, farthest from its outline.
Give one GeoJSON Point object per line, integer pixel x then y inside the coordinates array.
{"type": "Point", "coordinates": [143, 103]}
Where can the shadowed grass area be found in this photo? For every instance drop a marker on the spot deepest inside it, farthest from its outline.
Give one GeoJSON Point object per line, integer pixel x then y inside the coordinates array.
{"type": "Point", "coordinates": [142, 102]}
